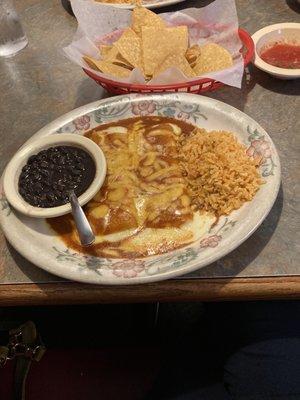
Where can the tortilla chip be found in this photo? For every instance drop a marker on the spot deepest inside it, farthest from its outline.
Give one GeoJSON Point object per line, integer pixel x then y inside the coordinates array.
{"type": "Point", "coordinates": [115, 57]}
{"type": "Point", "coordinates": [107, 67]}
{"type": "Point", "coordinates": [119, 60]}
{"type": "Point", "coordinates": [111, 54]}
{"type": "Point", "coordinates": [91, 62]}
{"type": "Point", "coordinates": [104, 49]}
{"type": "Point", "coordinates": [192, 54]}
{"type": "Point", "coordinates": [129, 46]}
{"type": "Point", "coordinates": [157, 44]}
{"type": "Point", "coordinates": [212, 58]}
{"type": "Point", "coordinates": [176, 60]}
{"type": "Point", "coordinates": [143, 17]}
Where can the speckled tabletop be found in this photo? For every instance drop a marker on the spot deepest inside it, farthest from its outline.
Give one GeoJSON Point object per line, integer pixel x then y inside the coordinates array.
{"type": "Point", "coordinates": [39, 84]}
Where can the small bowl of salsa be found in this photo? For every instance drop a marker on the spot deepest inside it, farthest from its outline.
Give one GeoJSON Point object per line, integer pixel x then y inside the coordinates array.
{"type": "Point", "coordinates": [277, 50]}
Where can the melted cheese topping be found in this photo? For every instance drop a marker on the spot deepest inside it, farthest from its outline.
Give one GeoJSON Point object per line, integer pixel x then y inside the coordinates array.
{"type": "Point", "coordinates": [143, 207]}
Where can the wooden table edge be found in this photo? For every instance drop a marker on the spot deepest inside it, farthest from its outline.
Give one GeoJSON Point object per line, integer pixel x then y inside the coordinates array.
{"type": "Point", "coordinates": [189, 289]}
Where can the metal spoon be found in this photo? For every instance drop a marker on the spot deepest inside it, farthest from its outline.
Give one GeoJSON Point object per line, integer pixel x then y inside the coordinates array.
{"type": "Point", "coordinates": [83, 226]}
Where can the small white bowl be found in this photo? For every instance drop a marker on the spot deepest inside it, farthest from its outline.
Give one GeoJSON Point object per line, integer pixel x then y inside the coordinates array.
{"type": "Point", "coordinates": [14, 167]}
{"type": "Point", "coordinates": [288, 32]}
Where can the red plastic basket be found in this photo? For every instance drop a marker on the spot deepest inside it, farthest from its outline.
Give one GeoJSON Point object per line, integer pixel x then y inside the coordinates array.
{"type": "Point", "coordinates": [197, 86]}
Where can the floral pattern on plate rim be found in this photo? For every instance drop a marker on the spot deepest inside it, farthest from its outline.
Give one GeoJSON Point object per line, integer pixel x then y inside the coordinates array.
{"type": "Point", "coordinates": [259, 148]}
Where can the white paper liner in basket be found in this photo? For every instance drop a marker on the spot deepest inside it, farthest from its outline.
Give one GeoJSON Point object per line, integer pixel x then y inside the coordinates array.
{"type": "Point", "coordinates": [218, 23]}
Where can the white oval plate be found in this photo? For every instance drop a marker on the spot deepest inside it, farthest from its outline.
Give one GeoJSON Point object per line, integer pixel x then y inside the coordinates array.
{"type": "Point", "coordinates": [34, 239]}
{"type": "Point", "coordinates": [146, 3]}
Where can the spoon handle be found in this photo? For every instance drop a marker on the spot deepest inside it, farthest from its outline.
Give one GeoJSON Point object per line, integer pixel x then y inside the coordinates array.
{"type": "Point", "coordinates": [83, 226]}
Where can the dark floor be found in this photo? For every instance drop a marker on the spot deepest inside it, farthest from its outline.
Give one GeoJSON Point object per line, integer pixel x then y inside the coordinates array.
{"type": "Point", "coordinates": [120, 352]}
{"type": "Point", "coordinates": [107, 352]}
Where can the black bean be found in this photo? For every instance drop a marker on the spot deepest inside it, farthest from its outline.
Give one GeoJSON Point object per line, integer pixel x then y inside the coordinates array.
{"type": "Point", "coordinates": [35, 200]}
{"type": "Point", "coordinates": [50, 196]}
{"type": "Point", "coordinates": [38, 187]}
{"type": "Point", "coordinates": [43, 197]}
{"type": "Point", "coordinates": [26, 169]}
{"type": "Point", "coordinates": [60, 188]}
{"type": "Point", "coordinates": [31, 159]}
{"type": "Point", "coordinates": [37, 176]}
{"type": "Point", "coordinates": [64, 150]}
{"type": "Point", "coordinates": [40, 158]}
{"type": "Point", "coordinates": [44, 164]}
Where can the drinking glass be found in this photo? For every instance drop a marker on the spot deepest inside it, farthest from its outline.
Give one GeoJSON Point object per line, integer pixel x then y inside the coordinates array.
{"type": "Point", "coordinates": [12, 36]}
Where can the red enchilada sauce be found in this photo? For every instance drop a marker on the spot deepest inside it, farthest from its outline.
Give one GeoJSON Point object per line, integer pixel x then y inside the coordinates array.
{"type": "Point", "coordinates": [282, 55]}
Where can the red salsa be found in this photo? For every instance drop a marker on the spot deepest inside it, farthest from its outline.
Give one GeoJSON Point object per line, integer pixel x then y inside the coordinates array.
{"type": "Point", "coordinates": [282, 55]}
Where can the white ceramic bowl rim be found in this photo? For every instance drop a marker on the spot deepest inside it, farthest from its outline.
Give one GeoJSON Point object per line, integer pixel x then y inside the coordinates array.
{"type": "Point", "coordinates": [268, 67]}
{"type": "Point", "coordinates": [13, 169]}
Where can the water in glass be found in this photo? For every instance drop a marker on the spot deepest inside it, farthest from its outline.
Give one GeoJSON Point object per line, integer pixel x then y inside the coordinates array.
{"type": "Point", "coordinates": [12, 36]}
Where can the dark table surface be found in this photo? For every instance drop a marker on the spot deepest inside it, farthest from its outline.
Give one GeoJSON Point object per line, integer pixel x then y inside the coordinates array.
{"type": "Point", "coordinates": [39, 84]}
